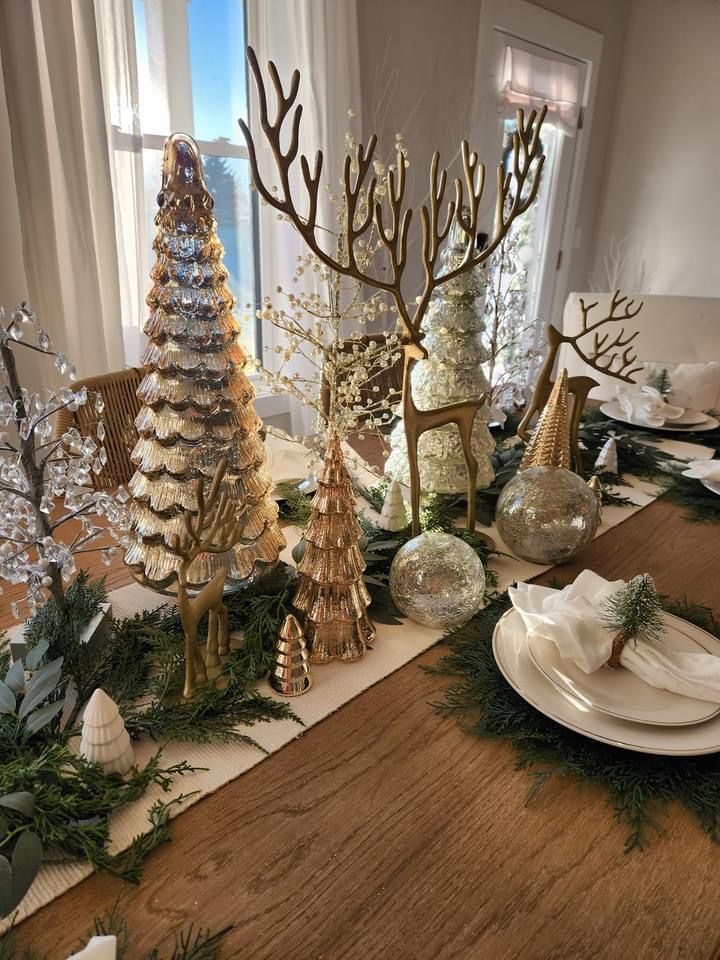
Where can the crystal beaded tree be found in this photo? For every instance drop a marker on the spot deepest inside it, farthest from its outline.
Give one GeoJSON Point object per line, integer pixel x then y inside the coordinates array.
{"type": "Point", "coordinates": [48, 509]}
{"type": "Point", "coordinates": [331, 594]}
{"type": "Point", "coordinates": [197, 400]}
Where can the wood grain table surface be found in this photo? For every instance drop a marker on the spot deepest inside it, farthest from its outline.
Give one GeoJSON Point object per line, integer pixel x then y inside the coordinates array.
{"type": "Point", "coordinates": [386, 831]}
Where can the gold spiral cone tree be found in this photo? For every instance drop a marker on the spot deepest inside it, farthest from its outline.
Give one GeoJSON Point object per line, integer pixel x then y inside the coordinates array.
{"type": "Point", "coordinates": [331, 595]}
{"type": "Point", "coordinates": [197, 400]}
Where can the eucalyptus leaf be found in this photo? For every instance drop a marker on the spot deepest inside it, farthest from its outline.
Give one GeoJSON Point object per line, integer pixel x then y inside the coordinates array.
{"type": "Point", "coordinates": [26, 860]}
{"type": "Point", "coordinates": [43, 715]}
{"type": "Point", "coordinates": [15, 678]}
{"type": "Point", "coordinates": [33, 658]}
{"type": "Point", "coordinates": [42, 684]}
{"type": "Point", "coordinates": [22, 801]}
{"type": "Point", "coordinates": [6, 887]}
{"type": "Point", "coordinates": [7, 699]}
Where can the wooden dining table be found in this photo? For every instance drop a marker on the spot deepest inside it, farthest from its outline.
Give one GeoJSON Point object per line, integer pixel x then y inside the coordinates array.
{"type": "Point", "coordinates": [387, 831]}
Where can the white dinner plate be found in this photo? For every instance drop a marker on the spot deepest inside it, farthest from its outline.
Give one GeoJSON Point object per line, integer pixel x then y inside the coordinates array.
{"type": "Point", "coordinates": [686, 424]}
{"type": "Point", "coordinates": [712, 485]}
{"type": "Point", "coordinates": [513, 658]}
{"type": "Point", "coordinates": [620, 692]}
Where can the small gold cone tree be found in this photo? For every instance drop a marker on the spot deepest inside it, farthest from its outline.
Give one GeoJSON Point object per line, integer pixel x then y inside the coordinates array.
{"type": "Point", "coordinates": [197, 400]}
{"type": "Point", "coordinates": [331, 595]}
{"type": "Point", "coordinates": [550, 444]}
{"type": "Point", "coordinates": [290, 674]}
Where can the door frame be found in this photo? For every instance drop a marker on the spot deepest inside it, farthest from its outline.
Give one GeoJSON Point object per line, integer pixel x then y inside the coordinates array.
{"type": "Point", "coordinates": [538, 26]}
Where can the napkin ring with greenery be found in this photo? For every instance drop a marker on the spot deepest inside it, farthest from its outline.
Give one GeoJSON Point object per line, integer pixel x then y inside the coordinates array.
{"type": "Point", "coordinates": [633, 612]}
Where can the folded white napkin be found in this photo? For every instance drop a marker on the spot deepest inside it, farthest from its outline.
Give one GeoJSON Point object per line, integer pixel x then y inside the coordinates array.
{"type": "Point", "coordinates": [571, 619]}
{"type": "Point", "coordinates": [646, 405]}
{"type": "Point", "coordinates": [703, 470]}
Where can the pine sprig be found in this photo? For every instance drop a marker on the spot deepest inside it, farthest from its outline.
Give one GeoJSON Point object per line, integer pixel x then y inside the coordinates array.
{"type": "Point", "coordinates": [639, 786]}
{"type": "Point", "coordinates": [74, 799]}
{"type": "Point", "coordinates": [634, 610]}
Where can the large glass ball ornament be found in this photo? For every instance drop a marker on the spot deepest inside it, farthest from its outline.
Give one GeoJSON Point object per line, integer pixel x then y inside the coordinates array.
{"type": "Point", "coordinates": [547, 514]}
{"type": "Point", "coordinates": [437, 580]}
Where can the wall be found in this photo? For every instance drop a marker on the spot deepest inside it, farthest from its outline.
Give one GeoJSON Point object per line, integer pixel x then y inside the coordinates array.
{"type": "Point", "coordinates": [662, 198]}
{"type": "Point", "coordinates": [417, 69]}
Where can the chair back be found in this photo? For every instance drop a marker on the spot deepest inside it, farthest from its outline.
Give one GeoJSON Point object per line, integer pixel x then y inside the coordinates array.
{"type": "Point", "coordinates": [119, 393]}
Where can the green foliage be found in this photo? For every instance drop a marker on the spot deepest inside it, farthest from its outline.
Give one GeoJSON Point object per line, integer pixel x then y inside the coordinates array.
{"type": "Point", "coordinates": [295, 505]}
{"type": "Point", "coordinates": [72, 800]}
{"type": "Point", "coordinates": [634, 610]}
{"type": "Point", "coordinates": [27, 707]}
{"type": "Point", "coordinates": [640, 787]}
{"type": "Point", "coordinates": [141, 660]}
{"type": "Point", "coordinates": [61, 628]}
{"type": "Point", "coordinates": [660, 380]}
{"type": "Point", "coordinates": [20, 849]}
{"type": "Point", "coordinates": [701, 505]}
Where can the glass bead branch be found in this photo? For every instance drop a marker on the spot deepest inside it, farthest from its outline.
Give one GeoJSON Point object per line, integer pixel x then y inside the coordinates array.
{"type": "Point", "coordinates": [42, 476]}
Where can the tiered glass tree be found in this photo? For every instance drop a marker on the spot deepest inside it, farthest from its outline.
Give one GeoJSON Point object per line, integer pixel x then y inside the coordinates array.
{"type": "Point", "coordinates": [331, 593]}
{"type": "Point", "coordinates": [452, 372]}
{"type": "Point", "coordinates": [197, 400]}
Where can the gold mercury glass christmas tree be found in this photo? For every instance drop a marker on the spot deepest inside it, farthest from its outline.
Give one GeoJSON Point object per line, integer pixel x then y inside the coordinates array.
{"type": "Point", "coordinates": [197, 400]}
{"type": "Point", "coordinates": [331, 594]}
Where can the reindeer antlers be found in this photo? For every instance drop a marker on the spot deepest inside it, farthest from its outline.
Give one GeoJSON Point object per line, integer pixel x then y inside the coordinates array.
{"type": "Point", "coordinates": [365, 209]}
{"type": "Point", "coordinates": [614, 357]}
{"type": "Point", "coordinates": [216, 528]}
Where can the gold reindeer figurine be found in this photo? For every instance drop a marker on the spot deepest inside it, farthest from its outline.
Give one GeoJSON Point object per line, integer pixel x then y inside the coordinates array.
{"type": "Point", "coordinates": [614, 358]}
{"type": "Point", "coordinates": [382, 213]}
{"type": "Point", "coordinates": [216, 529]}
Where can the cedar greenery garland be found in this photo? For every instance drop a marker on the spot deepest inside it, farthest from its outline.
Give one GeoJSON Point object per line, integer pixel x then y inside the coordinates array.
{"type": "Point", "coordinates": [639, 786]}
{"type": "Point", "coordinates": [50, 795]}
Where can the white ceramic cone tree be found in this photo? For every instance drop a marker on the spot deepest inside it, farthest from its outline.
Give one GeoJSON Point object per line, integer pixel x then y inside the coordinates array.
{"type": "Point", "coordinates": [104, 739]}
{"type": "Point", "coordinates": [393, 516]}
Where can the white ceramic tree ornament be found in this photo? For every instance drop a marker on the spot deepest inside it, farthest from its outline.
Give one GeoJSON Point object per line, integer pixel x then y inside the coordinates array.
{"type": "Point", "coordinates": [607, 459]}
{"type": "Point", "coordinates": [104, 738]}
{"type": "Point", "coordinates": [98, 948]}
{"type": "Point", "coordinates": [393, 516]}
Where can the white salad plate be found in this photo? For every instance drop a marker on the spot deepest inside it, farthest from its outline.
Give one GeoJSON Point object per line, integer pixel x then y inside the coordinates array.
{"type": "Point", "coordinates": [620, 692]}
{"type": "Point", "coordinates": [510, 648]}
{"type": "Point", "coordinates": [286, 462]}
{"type": "Point", "coordinates": [712, 485]}
{"type": "Point", "coordinates": [691, 420]}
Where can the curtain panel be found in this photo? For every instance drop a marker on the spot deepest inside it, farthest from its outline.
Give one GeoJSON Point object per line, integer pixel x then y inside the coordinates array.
{"type": "Point", "coordinates": [61, 173]}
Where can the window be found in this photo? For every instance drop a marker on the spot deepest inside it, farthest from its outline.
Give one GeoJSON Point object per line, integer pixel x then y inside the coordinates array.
{"type": "Point", "coordinates": [186, 74]}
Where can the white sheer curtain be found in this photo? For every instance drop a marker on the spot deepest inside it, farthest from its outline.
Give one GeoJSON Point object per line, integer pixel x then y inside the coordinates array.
{"type": "Point", "coordinates": [530, 82]}
{"type": "Point", "coordinates": [320, 39]}
{"type": "Point", "coordinates": [61, 174]}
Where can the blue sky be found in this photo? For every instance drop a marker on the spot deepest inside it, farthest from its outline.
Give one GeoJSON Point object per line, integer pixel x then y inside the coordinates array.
{"type": "Point", "coordinates": [216, 32]}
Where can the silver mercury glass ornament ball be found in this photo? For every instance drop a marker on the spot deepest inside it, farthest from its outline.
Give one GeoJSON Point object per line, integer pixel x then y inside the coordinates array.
{"type": "Point", "coordinates": [437, 580]}
{"type": "Point", "coordinates": [547, 514]}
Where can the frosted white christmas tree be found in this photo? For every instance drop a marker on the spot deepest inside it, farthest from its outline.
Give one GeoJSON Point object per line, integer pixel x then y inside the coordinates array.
{"type": "Point", "coordinates": [104, 739]}
{"type": "Point", "coordinates": [451, 373]}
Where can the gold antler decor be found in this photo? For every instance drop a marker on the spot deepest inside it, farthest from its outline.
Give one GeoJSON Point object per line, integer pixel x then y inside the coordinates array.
{"type": "Point", "coordinates": [614, 357]}
{"type": "Point", "coordinates": [215, 529]}
{"type": "Point", "coordinates": [383, 213]}
{"type": "Point", "coordinates": [546, 513]}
